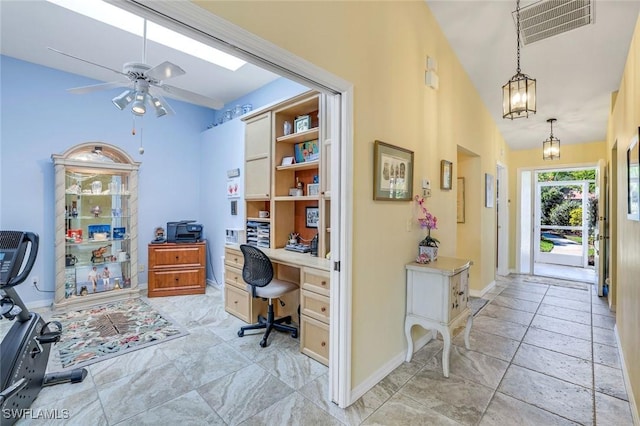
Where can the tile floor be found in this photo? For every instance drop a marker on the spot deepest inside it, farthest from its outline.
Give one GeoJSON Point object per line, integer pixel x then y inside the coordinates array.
{"type": "Point", "coordinates": [541, 355]}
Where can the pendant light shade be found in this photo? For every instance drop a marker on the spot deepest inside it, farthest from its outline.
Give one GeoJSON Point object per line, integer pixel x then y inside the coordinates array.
{"type": "Point", "coordinates": [519, 94]}
{"type": "Point", "coordinates": [123, 99]}
{"type": "Point", "coordinates": [551, 146]}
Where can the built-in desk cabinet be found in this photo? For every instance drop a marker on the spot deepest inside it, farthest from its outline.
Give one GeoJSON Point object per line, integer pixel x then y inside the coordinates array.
{"type": "Point", "coordinates": [314, 314]}
{"type": "Point", "coordinates": [237, 300]}
{"type": "Point", "coordinates": [177, 269]}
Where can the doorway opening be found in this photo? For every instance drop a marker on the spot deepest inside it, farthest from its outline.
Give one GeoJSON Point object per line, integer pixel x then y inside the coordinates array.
{"type": "Point", "coordinates": [564, 218]}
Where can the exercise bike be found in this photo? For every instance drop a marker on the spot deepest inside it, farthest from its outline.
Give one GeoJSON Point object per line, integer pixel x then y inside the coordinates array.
{"type": "Point", "coordinates": [24, 351]}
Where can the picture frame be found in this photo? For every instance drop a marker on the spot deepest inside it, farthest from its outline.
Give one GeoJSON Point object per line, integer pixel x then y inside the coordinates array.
{"type": "Point", "coordinates": [313, 189]}
{"type": "Point", "coordinates": [446, 172]}
{"type": "Point", "coordinates": [392, 172]}
{"type": "Point", "coordinates": [312, 215]}
{"type": "Point", "coordinates": [460, 201]}
{"type": "Point", "coordinates": [633, 179]}
{"type": "Point", "coordinates": [302, 123]}
{"type": "Point", "coordinates": [488, 190]}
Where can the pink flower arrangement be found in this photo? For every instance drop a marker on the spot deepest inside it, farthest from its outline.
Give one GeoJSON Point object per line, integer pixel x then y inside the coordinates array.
{"type": "Point", "coordinates": [427, 222]}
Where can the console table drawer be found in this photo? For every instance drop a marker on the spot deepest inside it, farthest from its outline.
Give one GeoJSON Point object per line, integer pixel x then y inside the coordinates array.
{"type": "Point", "coordinates": [315, 280]}
{"type": "Point", "coordinates": [177, 282]}
{"type": "Point", "coordinates": [314, 339]}
{"type": "Point", "coordinates": [233, 258]}
{"type": "Point", "coordinates": [314, 305]}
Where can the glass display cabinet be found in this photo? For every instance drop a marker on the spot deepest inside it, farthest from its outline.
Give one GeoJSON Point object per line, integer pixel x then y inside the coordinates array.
{"type": "Point", "coordinates": [96, 238]}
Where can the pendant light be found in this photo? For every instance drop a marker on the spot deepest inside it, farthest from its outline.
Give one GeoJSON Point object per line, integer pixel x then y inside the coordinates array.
{"type": "Point", "coordinates": [519, 94]}
{"type": "Point", "coordinates": [551, 147]}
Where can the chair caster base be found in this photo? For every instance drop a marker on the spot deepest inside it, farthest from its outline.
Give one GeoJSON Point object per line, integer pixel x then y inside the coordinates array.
{"type": "Point", "coordinates": [240, 333]}
{"type": "Point", "coordinates": [294, 335]}
{"type": "Point", "coordinates": [263, 343]}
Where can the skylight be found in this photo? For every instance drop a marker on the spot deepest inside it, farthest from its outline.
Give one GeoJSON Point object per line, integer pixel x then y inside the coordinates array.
{"type": "Point", "coordinates": [127, 21]}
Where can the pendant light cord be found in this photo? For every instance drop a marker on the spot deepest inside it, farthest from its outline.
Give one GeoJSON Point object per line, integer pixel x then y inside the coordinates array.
{"type": "Point", "coordinates": [518, 33]}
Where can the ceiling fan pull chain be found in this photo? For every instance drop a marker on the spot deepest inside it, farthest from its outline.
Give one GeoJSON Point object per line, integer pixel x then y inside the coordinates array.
{"type": "Point", "coordinates": [141, 149]}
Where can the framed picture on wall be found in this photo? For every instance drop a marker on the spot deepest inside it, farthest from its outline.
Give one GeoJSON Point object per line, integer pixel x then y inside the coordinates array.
{"type": "Point", "coordinates": [633, 179]}
{"type": "Point", "coordinates": [488, 190]}
{"type": "Point", "coordinates": [392, 172]}
{"type": "Point", "coordinates": [446, 168]}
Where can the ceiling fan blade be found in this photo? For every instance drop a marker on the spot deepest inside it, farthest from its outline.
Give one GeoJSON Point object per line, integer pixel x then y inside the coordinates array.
{"type": "Point", "coordinates": [191, 96]}
{"type": "Point", "coordinates": [165, 71]}
{"type": "Point", "coordinates": [88, 62]}
{"type": "Point", "coordinates": [96, 87]}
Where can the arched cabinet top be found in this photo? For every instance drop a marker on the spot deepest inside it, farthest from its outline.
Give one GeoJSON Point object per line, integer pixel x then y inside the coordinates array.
{"type": "Point", "coordinates": [96, 154]}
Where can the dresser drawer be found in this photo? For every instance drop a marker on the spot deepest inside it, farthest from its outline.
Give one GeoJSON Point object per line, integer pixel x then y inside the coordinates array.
{"type": "Point", "coordinates": [314, 339]}
{"type": "Point", "coordinates": [315, 280]}
{"type": "Point", "coordinates": [239, 303]}
{"type": "Point", "coordinates": [314, 305]}
{"type": "Point", "coordinates": [176, 282]}
{"type": "Point", "coordinates": [233, 258]}
{"type": "Point", "coordinates": [233, 276]}
{"type": "Point", "coordinates": [176, 256]}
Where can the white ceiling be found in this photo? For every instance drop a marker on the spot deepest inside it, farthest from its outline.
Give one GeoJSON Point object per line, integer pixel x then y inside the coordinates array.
{"type": "Point", "coordinates": [29, 27]}
{"type": "Point", "coordinates": [576, 71]}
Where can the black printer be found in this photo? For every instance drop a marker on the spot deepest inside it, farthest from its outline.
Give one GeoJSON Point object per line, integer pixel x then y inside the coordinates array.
{"type": "Point", "coordinates": [185, 231]}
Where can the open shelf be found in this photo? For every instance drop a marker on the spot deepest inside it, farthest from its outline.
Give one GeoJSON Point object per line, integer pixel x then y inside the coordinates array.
{"type": "Point", "coordinates": [300, 136]}
{"type": "Point", "coordinates": [307, 165]}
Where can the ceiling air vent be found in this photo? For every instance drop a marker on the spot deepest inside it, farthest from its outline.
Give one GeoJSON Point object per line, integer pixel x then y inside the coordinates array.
{"type": "Point", "coordinates": [548, 18]}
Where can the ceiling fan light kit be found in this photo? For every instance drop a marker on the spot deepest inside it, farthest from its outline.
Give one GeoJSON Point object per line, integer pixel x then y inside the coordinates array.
{"type": "Point", "coordinates": [519, 94]}
{"type": "Point", "coordinates": [551, 146]}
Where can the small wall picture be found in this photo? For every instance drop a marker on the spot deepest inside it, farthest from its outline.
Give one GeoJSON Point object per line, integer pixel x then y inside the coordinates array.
{"type": "Point", "coordinates": [488, 190]}
{"type": "Point", "coordinates": [313, 217]}
{"type": "Point", "coordinates": [302, 123]}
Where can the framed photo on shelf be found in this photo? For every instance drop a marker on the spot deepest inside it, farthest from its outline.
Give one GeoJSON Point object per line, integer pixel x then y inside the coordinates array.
{"type": "Point", "coordinates": [392, 172]}
{"type": "Point", "coordinates": [302, 123]}
{"type": "Point", "coordinates": [460, 199]}
{"type": "Point", "coordinates": [633, 179]}
{"type": "Point", "coordinates": [488, 190]}
{"type": "Point", "coordinates": [313, 217]}
{"type": "Point", "coordinates": [313, 189]}
{"type": "Point", "coordinates": [446, 169]}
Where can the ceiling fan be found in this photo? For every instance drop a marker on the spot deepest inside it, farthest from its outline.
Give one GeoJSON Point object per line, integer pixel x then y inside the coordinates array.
{"type": "Point", "coordinates": [145, 85]}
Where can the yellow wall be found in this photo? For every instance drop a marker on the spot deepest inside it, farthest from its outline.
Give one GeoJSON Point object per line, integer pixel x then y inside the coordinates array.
{"type": "Point", "coordinates": [381, 47]}
{"type": "Point", "coordinates": [623, 126]}
{"type": "Point", "coordinates": [570, 155]}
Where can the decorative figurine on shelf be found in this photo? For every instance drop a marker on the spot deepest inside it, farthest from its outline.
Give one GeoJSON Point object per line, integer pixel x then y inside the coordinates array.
{"type": "Point", "coordinates": [159, 237]}
{"type": "Point", "coordinates": [428, 247]}
{"type": "Point", "coordinates": [97, 255]}
{"type": "Point", "coordinates": [96, 211]}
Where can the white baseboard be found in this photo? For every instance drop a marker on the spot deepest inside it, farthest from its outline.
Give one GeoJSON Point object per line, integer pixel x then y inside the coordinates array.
{"type": "Point", "coordinates": [480, 293]}
{"type": "Point", "coordinates": [627, 381]}
{"type": "Point", "coordinates": [42, 303]}
{"type": "Point", "coordinates": [387, 368]}
{"type": "Point", "coordinates": [214, 284]}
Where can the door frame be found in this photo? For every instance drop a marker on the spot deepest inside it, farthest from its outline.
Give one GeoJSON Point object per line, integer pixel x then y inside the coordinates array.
{"type": "Point", "coordinates": [502, 219]}
{"type": "Point", "coordinates": [189, 19]}
{"type": "Point", "coordinates": [529, 258]}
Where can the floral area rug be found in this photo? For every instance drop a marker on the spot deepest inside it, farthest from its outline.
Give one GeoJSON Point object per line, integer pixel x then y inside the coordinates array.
{"type": "Point", "coordinates": [105, 331]}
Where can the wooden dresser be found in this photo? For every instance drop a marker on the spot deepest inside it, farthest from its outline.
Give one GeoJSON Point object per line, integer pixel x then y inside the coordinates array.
{"type": "Point", "coordinates": [177, 269]}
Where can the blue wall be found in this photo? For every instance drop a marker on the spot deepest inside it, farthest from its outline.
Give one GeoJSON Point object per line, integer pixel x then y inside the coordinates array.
{"type": "Point", "coordinates": [183, 170]}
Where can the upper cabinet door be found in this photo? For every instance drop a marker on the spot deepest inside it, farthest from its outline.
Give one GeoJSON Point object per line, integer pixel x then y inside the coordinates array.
{"type": "Point", "coordinates": [257, 182]}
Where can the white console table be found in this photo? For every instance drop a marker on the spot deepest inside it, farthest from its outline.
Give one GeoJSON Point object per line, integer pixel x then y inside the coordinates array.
{"type": "Point", "coordinates": [438, 299]}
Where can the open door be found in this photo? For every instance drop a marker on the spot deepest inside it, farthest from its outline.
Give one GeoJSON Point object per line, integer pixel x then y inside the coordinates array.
{"type": "Point", "coordinates": [601, 228]}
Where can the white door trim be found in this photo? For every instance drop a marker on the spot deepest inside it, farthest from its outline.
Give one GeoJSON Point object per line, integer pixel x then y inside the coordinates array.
{"type": "Point", "coordinates": [503, 219]}
{"type": "Point", "coordinates": [188, 18]}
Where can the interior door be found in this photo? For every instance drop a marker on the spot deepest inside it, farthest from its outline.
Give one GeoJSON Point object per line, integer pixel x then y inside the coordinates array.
{"type": "Point", "coordinates": [601, 228]}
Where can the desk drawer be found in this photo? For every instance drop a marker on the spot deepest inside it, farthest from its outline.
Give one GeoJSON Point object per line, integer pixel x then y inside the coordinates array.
{"type": "Point", "coordinates": [233, 258]}
{"type": "Point", "coordinates": [233, 276]}
{"type": "Point", "coordinates": [239, 303]}
{"type": "Point", "coordinates": [315, 280]}
{"type": "Point", "coordinates": [314, 339]}
{"type": "Point", "coordinates": [314, 305]}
